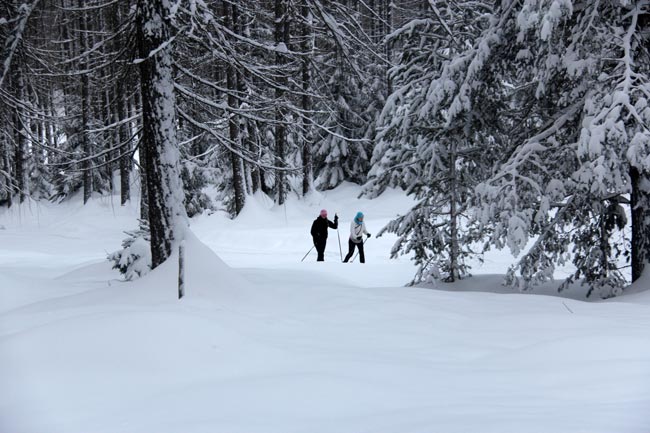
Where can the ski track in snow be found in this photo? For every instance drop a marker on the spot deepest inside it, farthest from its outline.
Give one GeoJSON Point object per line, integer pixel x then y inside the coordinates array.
{"type": "Point", "coordinates": [264, 343]}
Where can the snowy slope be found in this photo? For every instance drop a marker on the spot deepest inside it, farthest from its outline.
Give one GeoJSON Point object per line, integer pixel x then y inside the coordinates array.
{"type": "Point", "coordinates": [264, 343]}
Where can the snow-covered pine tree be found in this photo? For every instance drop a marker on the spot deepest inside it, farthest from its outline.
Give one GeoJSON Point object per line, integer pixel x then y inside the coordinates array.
{"type": "Point", "coordinates": [579, 79]}
{"type": "Point", "coordinates": [353, 68]}
{"type": "Point", "coordinates": [434, 140]}
{"type": "Point", "coordinates": [196, 174]}
{"type": "Point", "coordinates": [342, 154]}
{"type": "Point", "coordinates": [134, 259]}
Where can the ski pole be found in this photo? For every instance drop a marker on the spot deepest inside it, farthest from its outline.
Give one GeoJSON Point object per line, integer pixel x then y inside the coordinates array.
{"type": "Point", "coordinates": [308, 253]}
{"type": "Point", "coordinates": [338, 234]}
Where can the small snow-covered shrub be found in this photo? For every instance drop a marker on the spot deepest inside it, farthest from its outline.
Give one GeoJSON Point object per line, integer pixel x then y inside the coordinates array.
{"type": "Point", "coordinates": [194, 180]}
{"type": "Point", "coordinates": [134, 259]}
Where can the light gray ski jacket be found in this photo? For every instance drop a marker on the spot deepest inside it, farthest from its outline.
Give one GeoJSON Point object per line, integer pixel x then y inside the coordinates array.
{"type": "Point", "coordinates": [357, 231]}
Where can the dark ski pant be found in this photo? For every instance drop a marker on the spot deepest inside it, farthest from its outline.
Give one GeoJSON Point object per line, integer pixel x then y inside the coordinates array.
{"type": "Point", "coordinates": [351, 245]}
{"type": "Point", "coordinates": [320, 248]}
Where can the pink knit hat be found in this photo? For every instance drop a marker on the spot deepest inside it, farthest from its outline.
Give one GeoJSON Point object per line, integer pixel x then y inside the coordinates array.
{"type": "Point", "coordinates": [323, 213]}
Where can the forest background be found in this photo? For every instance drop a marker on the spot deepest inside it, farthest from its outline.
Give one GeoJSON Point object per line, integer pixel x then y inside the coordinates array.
{"type": "Point", "coordinates": [519, 124]}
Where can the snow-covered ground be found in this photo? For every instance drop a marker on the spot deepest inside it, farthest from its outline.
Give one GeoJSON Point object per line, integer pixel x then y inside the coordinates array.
{"type": "Point", "coordinates": [264, 343]}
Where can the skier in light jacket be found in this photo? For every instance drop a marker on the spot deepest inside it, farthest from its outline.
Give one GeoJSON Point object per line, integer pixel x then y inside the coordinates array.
{"type": "Point", "coordinates": [357, 230]}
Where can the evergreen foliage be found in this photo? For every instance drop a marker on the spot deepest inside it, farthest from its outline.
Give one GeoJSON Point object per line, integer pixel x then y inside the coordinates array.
{"type": "Point", "coordinates": [434, 142]}
{"type": "Point", "coordinates": [578, 74]}
{"type": "Point", "coordinates": [134, 259]}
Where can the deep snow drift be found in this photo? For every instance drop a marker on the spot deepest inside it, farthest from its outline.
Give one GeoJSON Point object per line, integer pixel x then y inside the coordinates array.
{"type": "Point", "coordinates": [264, 343]}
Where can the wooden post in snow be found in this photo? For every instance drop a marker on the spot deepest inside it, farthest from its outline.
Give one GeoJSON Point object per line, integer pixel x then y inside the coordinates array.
{"type": "Point", "coordinates": [181, 269]}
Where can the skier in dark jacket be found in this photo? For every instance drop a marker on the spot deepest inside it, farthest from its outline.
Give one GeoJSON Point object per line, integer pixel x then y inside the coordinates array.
{"type": "Point", "coordinates": [319, 232]}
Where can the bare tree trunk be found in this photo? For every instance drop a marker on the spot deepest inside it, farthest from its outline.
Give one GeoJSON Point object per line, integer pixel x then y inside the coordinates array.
{"type": "Point", "coordinates": [181, 269]}
{"type": "Point", "coordinates": [245, 169]}
{"type": "Point", "coordinates": [256, 176]}
{"type": "Point", "coordinates": [85, 107]}
{"type": "Point", "coordinates": [167, 217]}
{"type": "Point", "coordinates": [307, 47]}
{"type": "Point", "coordinates": [640, 210]}
{"type": "Point", "coordinates": [69, 52]}
{"type": "Point", "coordinates": [135, 106]}
{"type": "Point", "coordinates": [109, 117]}
{"type": "Point", "coordinates": [49, 128]}
{"type": "Point", "coordinates": [6, 166]}
{"type": "Point", "coordinates": [603, 240]}
{"type": "Point", "coordinates": [125, 151]}
{"type": "Point", "coordinates": [388, 4]}
{"type": "Point", "coordinates": [249, 126]}
{"type": "Point", "coordinates": [105, 111]}
{"type": "Point", "coordinates": [36, 141]}
{"type": "Point", "coordinates": [230, 14]}
{"type": "Point", "coordinates": [453, 215]}
{"type": "Point", "coordinates": [21, 137]}
{"type": "Point", "coordinates": [281, 37]}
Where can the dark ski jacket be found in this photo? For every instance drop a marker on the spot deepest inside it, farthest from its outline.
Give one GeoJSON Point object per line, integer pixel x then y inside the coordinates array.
{"type": "Point", "coordinates": [319, 228]}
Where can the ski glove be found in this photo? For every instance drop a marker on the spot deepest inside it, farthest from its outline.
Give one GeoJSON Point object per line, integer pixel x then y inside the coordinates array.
{"type": "Point", "coordinates": [369, 234]}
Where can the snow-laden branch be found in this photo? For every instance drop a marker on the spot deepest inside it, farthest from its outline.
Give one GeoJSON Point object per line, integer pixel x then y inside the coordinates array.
{"type": "Point", "coordinates": [11, 44]}
{"type": "Point", "coordinates": [479, 57]}
{"type": "Point", "coordinates": [533, 145]}
{"type": "Point", "coordinates": [335, 32]}
{"type": "Point", "coordinates": [99, 154]}
{"type": "Point", "coordinates": [230, 145]}
{"type": "Point", "coordinates": [444, 24]}
{"type": "Point", "coordinates": [88, 8]}
{"type": "Point", "coordinates": [225, 30]}
{"type": "Point", "coordinates": [156, 50]}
